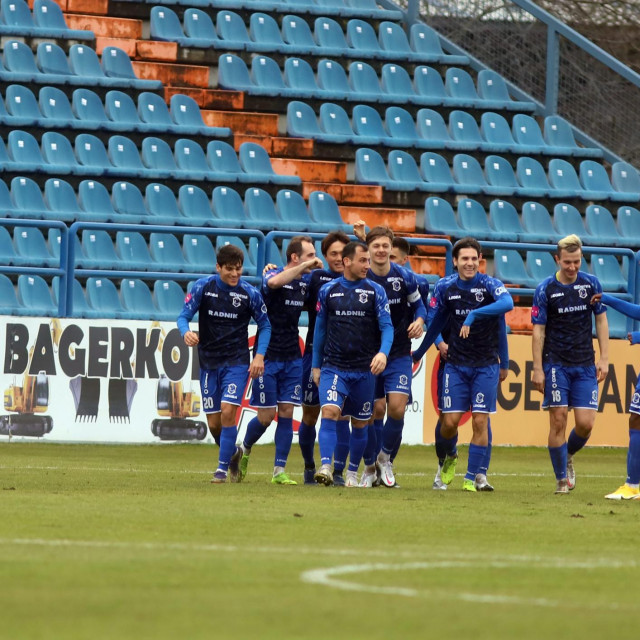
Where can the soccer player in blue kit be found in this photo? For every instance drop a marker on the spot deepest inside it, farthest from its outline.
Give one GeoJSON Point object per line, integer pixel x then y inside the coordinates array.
{"type": "Point", "coordinates": [331, 247]}
{"type": "Point", "coordinates": [473, 303]}
{"type": "Point", "coordinates": [225, 304]}
{"type": "Point", "coordinates": [352, 339]}
{"type": "Point", "coordinates": [284, 291]}
{"type": "Point", "coordinates": [564, 367]}
{"type": "Point", "coordinates": [630, 490]}
{"type": "Point", "coordinates": [393, 385]}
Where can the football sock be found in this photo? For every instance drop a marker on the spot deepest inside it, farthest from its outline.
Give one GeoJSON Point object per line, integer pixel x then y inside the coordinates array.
{"type": "Point", "coordinates": [327, 439]}
{"type": "Point", "coordinates": [392, 431]}
{"type": "Point", "coordinates": [283, 438]}
{"type": "Point", "coordinates": [396, 448]}
{"type": "Point", "coordinates": [559, 460]}
{"type": "Point", "coordinates": [575, 442]}
{"type": "Point", "coordinates": [379, 427]}
{"type": "Point", "coordinates": [227, 446]}
{"type": "Point", "coordinates": [441, 452]}
{"type": "Point", "coordinates": [307, 441]}
{"type": "Point", "coordinates": [484, 465]}
{"type": "Point", "coordinates": [633, 458]}
{"type": "Point", "coordinates": [476, 456]}
{"type": "Point", "coordinates": [343, 434]}
{"type": "Point", "coordinates": [450, 445]}
{"type": "Point", "coordinates": [255, 429]}
{"type": "Point", "coordinates": [371, 450]}
{"type": "Point", "coordinates": [356, 449]}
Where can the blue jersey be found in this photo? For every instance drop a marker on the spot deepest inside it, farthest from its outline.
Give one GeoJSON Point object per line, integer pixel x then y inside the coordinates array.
{"type": "Point", "coordinates": [316, 280]}
{"type": "Point", "coordinates": [225, 313]}
{"type": "Point", "coordinates": [459, 299]}
{"type": "Point", "coordinates": [284, 305]}
{"type": "Point", "coordinates": [405, 305]}
{"type": "Point", "coordinates": [566, 312]}
{"type": "Point", "coordinates": [424, 288]}
{"type": "Point", "coordinates": [353, 325]}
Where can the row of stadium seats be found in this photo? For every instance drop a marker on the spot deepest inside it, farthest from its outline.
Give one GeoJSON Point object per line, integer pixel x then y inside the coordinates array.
{"type": "Point", "coordinates": [343, 8]}
{"type": "Point", "coordinates": [362, 84]}
{"type": "Point", "coordinates": [510, 267]}
{"type": "Point", "coordinates": [429, 130]}
{"type": "Point", "coordinates": [47, 21]}
{"type": "Point", "coordinates": [467, 177]}
{"type": "Point", "coordinates": [121, 158]}
{"type": "Point", "coordinates": [80, 69]}
{"type": "Point", "coordinates": [118, 112]}
{"type": "Point", "coordinates": [295, 37]}
{"type": "Point", "coordinates": [533, 223]}
{"type": "Point", "coordinates": [159, 206]}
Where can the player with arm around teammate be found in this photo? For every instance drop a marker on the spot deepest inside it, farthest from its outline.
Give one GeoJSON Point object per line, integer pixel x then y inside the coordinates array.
{"type": "Point", "coordinates": [564, 367]}
{"type": "Point", "coordinates": [630, 490]}
{"type": "Point", "coordinates": [352, 339]}
{"type": "Point", "coordinates": [284, 291]}
{"type": "Point", "coordinates": [473, 303]}
{"type": "Point", "coordinates": [225, 304]}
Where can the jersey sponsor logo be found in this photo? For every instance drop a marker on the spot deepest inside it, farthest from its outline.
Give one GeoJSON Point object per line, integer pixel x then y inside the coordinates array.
{"type": "Point", "coordinates": [557, 295]}
{"type": "Point", "coordinates": [403, 380]}
{"type": "Point", "coordinates": [236, 301]}
{"type": "Point", "coordinates": [395, 300]}
{"type": "Point", "coordinates": [223, 314]}
{"type": "Point", "coordinates": [349, 312]}
{"type": "Point", "coordinates": [318, 306]}
{"type": "Point", "coordinates": [454, 297]}
{"type": "Point", "coordinates": [582, 290]}
{"type": "Point", "coordinates": [395, 284]}
{"type": "Point", "coordinates": [535, 311]}
{"type": "Point", "coordinates": [433, 302]}
{"type": "Point", "coordinates": [232, 389]}
{"type": "Point", "coordinates": [210, 294]}
{"type": "Point", "coordinates": [366, 407]}
{"type": "Point", "coordinates": [479, 398]}
{"type": "Point", "coordinates": [463, 312]}
{"type": "Point", "coordinates": [293, 303]}
{"type": "Point", "coordinates": [479, 296]}
{"type": "Point", "coordinates": [337, 295]}
{"type": "Point", "coordinates": [578, 307]}
{"type": "Point", "coordinates": [188, 298]}
{"type": "Point", "coordinates": [363, 298]}
{"type": "Point", "coordinates": [499, 291]}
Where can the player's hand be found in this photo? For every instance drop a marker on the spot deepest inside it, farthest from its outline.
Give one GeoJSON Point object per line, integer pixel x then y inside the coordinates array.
{"type": "Point", "coordinates": [191, 338]}
{"type": "Point", "coordinates": [416, 328]}
{"type": "Point", "coordinates": [503, 375]}
{"type": "Point", "coordinates": [378, 363]}
{"type": "Point", "coordinates": [537, 378]}
{"type": "Point", "coordinates": [315, 372]}
{"type": "Point", "coordinates": [316, 263]}
{"type": "Point", "coordinates": [360, 230]}
{"type": "Point", "coordinates": [595, 298]}
{"type": "Point", "coordinates": [602, 368]}
{"type": "Point", "coordinates": [464, 331]}
{"type": "Point", "coordinates": [269, 267]}
{"type": "Point", "coordinates": [443, 348]}
{"type": "Point", "coordinates": [256, 369]}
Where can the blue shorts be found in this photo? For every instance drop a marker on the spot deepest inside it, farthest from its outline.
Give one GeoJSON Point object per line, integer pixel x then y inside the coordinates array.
{"type": "Point", "coordinates": [351, 391]}
{"type": "Point", "coordinates": [224, 384]}
{"type": "Point", "coordinates": [470, 387]}
{"type": "Point", "coordinates": [440, 377]}
{"type": "Point", "coordinates": [572, 387]}
{"type": "Point", "coordinates": [279, 383]}
{"type": "Point", "coordinates": [396, 377]}
{"type": "Point", "coordinates": [310, 395]}
{"type": "Point", "coordinates": [634, 405]}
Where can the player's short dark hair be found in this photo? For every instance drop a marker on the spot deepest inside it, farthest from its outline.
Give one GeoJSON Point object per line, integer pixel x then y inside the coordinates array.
{"type": "Point", "coordinates": [295, 246]}
{"type": "Point", "coordinates": [379, 232]}
{"type": "Point", "coordinates": [330, 238]}
{"type": "Point", "coordinates": [229, 255]}
{"type": "Point", "coordinates": [402, 244]}
{"type": "Point", "coordinates": [349, 250]}
{"type": "Point", "coordinates": [569, 243]}
{"type": "Point", "coordinates": [466, 243]}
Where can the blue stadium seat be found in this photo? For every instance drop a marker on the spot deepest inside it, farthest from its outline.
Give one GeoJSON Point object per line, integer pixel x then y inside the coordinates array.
{"type": "Point", "coordinates": [626, 179]}
{"type": "Point", "coordinates": [361, 37]}
{"type": "Point", "coordinates": [54, 242]}
{"type": "Point", "coordinates": [84, 62]}
{"type": "Point", "coordinates": [371, 168]}
{"type": "Point", "coordinates": [21, 103]}
{"type": "Point", "coordinates": [137, 299]}
{"type": "Point", "coordinates": [594, 178]}
{"type": "Point", "coordinates": [404, 172]}
{"type": "Point", "coordinates": [532, 176]}
{"type": "Point", "coordinates": [473, 219]}
{"type": "Point", "coordinates": [24, 150]}
{"type": "Point", "coordinates": [510, 268]}
{"type": "Point", "coordinates": [260, 208]}
{"type": "Point", "coordinates": [602, 226]}
{"type": "Point", "coordinates": [164, 25]}
{"type": "Point", "coordinates": [56, 108]}
{"type": "Point", "coordinates": [333, 80]}
{"type": "Point", "coordinates": [53, 63]}
{"type": "Point", "coordinates": [563, 176]}
{"type": "Point", "coordinates": [234, 75]}
{"type": "Point", "coordinates": [48, 18]}
{"type": "Point", "coordinates": [116, 64]}
{"type": "Point", "coordinates": [370, 9]}
{"type": "Point", "coordinates": [121, 110]}
{"type": "Point", "coordinates": [199, 252]}
{"type": "Point", "coordinates": [95, 202]}
{"type": "Point", "coordinates": [124, 156]}
{"type": "Point", "coordinates": [228, 207]}
{"type": "Point", "coordinates": [266, 75]}
{"type": "Point", "coordinates": [368, 126]}
{"type": "Point", "coordinates": [435, 170]}
{"type": "Point", "coordinates": [459, 85]}
{"type": "Point", "coordinates": [430, 88]}
{"type": "Point", "coordinates": [128, 201]}
{"type": "Point", "coordinates": [169, 298]}
{"type": "Point", "coordinates": [193, 202]}
{"type": "Point", "coordinates": [527, 133]}
{"type": "Point", "coordinates": [607, 269]}
{"type": "Point", "coordinates": [233, 32]}
{"type": "Point", "coordinates": [296, 32]}
{"type": "Point", "coordinates": [299, 76]}
{"type": "Point", "coordinates": [500, 175]}
{"type": "Point", "coordinates": [495, 130]}
{"type": "Point", "coordinates": [153, 110]}
{"type": "Point", "coordinates": [35, 296]}
{"type": "Point", "coordinates": [492, 87]}
{"type": "Point", "coordinates": [504, 217]}
{"type": "Point", "coordinates": [166, 253]}
{"type": "Point", "coordinates": [60, 198]}
{"type": "Point", "coordinates": [425, 41]}
{"type": "Point", "coordinates": [469, 176]}
{"type": "Point", "coordinates": [628, 219]}
{"type": "Point", "coordinates": [293, 213]}
{"type": "Point", "coordinates": [256, 165]}
{"type": "Point", "coordinates": [537, 223]}
{"type": "Point", "coordinates": [364, 83]}
{"type": "Point", "coordinates": [16, 15]}
{"type": "Point", "coordinates": [8, 254]}
{"type": "Point", "coordinates": [133, 252]}
{"type": "Point", "coordinates": [90, 152]}
{"type": "Point", "coordinates": [329, 37]}
{"type": "Point", "coordinates": [464, 130]}
{"type": "Point", "coordinates": [540, 265]}
{"type": "Point", "coordinates": [88, 108]}
{"type": "Point", "coordinates": [265, 34]}
{"type": "Point", "coordinates": [79, 306]}
{"type": "Point", "coordinates": [558, 134]}
{"type": "Point", "coordinates": [396, 84]}
{"type": "Point", "coordinates": [324, 211]}
{"type": "Point", "coordinates": [6, 205]}
{"type": "Point", "coordinates": [98, 251]}
{"type": "Point", "coordinates": [30, 243]}
{"type": "Point", "coordinates": [402, 128]}
{"type": "Point", "coordinates": [568, 220]}
{"type": "Point", "coordinates": [9, 304]}
{"type": "Point", "coordinates": [156, 154]}
{"type": "Point", "coordinates": [302, 122]}
{"type": "Point", "coordinates": [27, 199]}
{"type": "Point", "coordinates": [161, 204]}
{"type": "Point", "coordinates": [199, 29]}
{"type": "Point", "coordinates": [192, 161]}
{"type": "Point", "coordinates": [439, 217]}
{"type": "Point", "coordinates": [20, 63]}
{"type": "Point", "coordinates": [395, 43]}
{"type": "Point", "coordinates": [223, 159]}
{"type": "Point", "coordinates": [58, 152]}
{"type": "Point", "coordinates": [433, 129]}
{"type": "Point", "coordinates": [103, 297]}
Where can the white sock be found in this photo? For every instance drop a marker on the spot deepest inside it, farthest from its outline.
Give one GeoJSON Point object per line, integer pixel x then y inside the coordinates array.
{"type": "Point", "coordinates": [277, 471]}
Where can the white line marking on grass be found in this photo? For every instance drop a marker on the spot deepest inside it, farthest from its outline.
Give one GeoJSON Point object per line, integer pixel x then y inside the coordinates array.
{"type": "Point", "coordinates": [328, 577]}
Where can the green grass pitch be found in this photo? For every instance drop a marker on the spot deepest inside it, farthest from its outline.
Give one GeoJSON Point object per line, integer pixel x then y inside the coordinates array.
{"type": "Point", "coordinates": [120, 542]}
